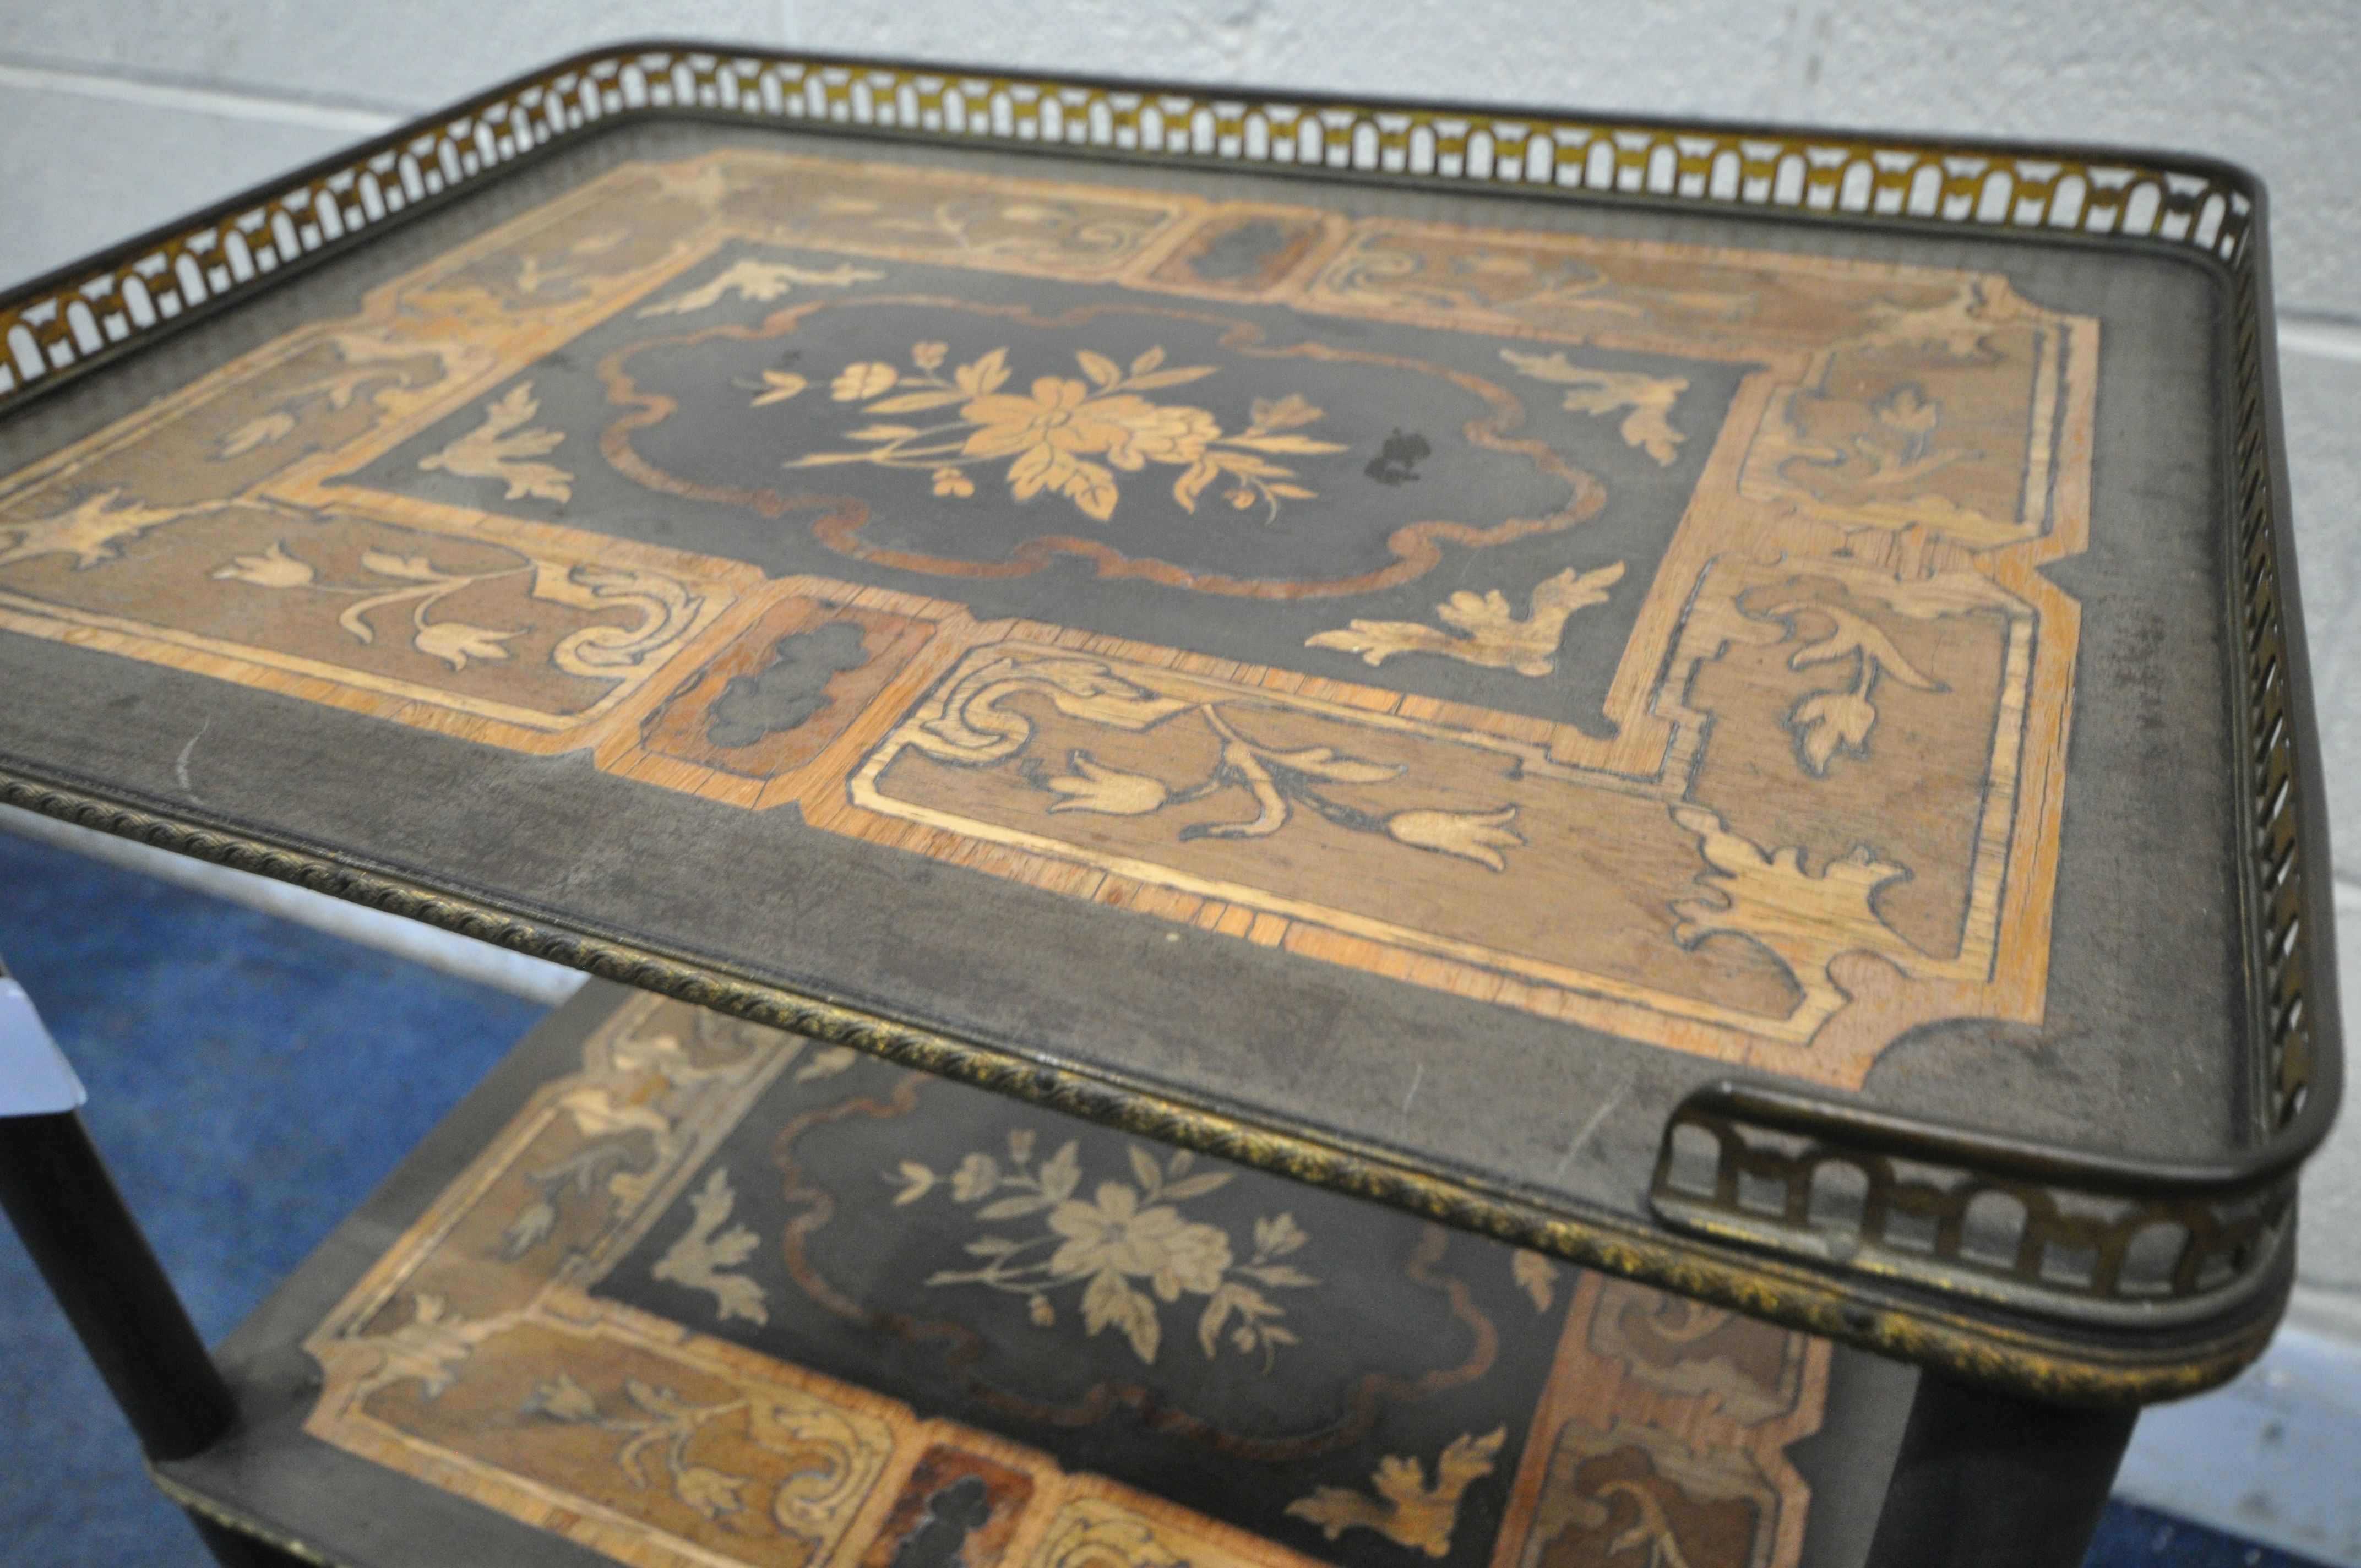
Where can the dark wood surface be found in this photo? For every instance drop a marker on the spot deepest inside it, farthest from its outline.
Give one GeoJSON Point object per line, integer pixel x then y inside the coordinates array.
{"type": "Point", "coordinates": [1441, 674]}
{"type": "Point", "coordinates": [673, 1284]}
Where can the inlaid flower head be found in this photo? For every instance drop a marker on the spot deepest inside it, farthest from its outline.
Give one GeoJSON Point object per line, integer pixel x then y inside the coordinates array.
{"type": "Point", "coordinates": [1114, 1235]}
{"type": "Point", "coordinates": [1044, 432]}
{"type": "Point", "coordinates": [1050, 435]}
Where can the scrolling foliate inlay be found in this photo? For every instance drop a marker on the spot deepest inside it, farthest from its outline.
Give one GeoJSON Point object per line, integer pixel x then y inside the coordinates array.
{"type": "Point", "coordinates": [1648, 636]}
{"type": "Point", "coordinates": [501, 1350]}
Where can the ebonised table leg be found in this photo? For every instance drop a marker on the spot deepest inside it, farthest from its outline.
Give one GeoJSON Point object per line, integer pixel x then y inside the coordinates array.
{"type": "Point", "coordinates": [80, 1235]}
{"type": "Point", "coordinates": [66, 1207]}
{"type": "Point", "coordinates": [1986, 1480]}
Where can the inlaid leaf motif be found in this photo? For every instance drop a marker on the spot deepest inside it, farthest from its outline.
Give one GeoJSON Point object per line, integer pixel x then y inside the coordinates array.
{"type": "Point", "coordinates": [1062, 1172]}
{"type": "Point", "coordinates": [430, 1346]}
{"type": "Point", "coordinates": [431, 1350]}
{"type": "Point", "coordinates": [454, 642]}
{"type": "Point", "coordinates": [274, 568]}
{"type": "Point", "coordinates": [562, 1399]}
{"type": "Point", "coordinates": [1860, 637]}
{"type": "Point", "coordinates": [1828, 722]}
{"type": "Point", "coordinates": [596, 1114]}
{"type": "Point", "coordinates": [658, 1422]}
{"type": "Point", "coordinates": [1191, 483]}
{"type": "Point", "coordinates": [1485, 628]}
{"type": "Point", "coordinates": [1278, 1235]}
{"type": "Point", "coordinates": [865, 380]}
{"type": "Point", "coordinates": [751, 279]}
{"type": "Point", "coordinates": [1254, 1313]}
{"type": "Point", "coordinates": [1104, 372]}
{"type": "Point", "coordinates": [711, 1492]}
{"type": "Point", "coordinates": [978, 376]}
{"type": "Point", "coordinates": [826, 1063]}
{"type": "Point", "coordinates": [1195, 1186]}
{"type": "Point", "coordinates": [386, 563]}
{"type": "Point", "coordinates": [1108, 1302]}
{"type": "Point", "coordinates": [778, 386]}
{"type": "Point", "coordinates": [92, 531]}
{"type": "Point", "coordinates": [1897, 458]}
{"type": "Point", "coordinates": [977, 1175]}
{"type": "Point", "coordinates": [1957, 328]}
{"type": "Point", "coordinates": [700, 1258]}
{"type": "Point", "coordinates": [1535, 1276]}
{"type": "Point", "coordinates": [601, 1161]}
{"type": "Point", "coordinates": [255, 432]}
{"type": "Point", "coordinates": [1406, 1509]}
{"type": "Point", "coordinates": [1909, 411]}
{"type": "Point", "coordinates": [504, 446]}
{"type": "Point", "coordinates": [1015, 1207]}
{"type": "Point", "coordinates": [1806, 919]}
{"type": "Point", "coordinates": [916, 1179]}
{"type": "Point", "coordinates": [1649, 425]}
{"type": "Point", "coordinates": [1283, 414]}
{"type": "Point", "coordinates": [565, 271]}
{"type": "Point", "coordinates": [366, 359]}
{"type": "Point", "coordinates": [532, 1227]}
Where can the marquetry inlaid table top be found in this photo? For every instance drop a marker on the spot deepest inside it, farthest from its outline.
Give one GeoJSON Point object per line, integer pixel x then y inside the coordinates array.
{"type": "Point", "coordinates": [673, 1289]}
{"type": "Point", "coordinates": [1398, 684]}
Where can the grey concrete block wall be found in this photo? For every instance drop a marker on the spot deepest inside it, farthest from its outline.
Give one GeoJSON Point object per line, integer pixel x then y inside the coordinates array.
{"type": "Point", "coordinates": [119, 115]}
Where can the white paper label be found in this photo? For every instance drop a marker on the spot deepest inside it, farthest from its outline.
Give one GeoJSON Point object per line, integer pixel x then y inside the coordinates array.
{"type": "Point", "coordinates": [35, 1078]}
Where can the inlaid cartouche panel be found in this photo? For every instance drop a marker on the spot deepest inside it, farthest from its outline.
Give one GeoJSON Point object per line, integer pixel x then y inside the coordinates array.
{"type": "Point", "coordinates": [720, 1297]}
{"type": "Point", "coordinates": [1647, 636]}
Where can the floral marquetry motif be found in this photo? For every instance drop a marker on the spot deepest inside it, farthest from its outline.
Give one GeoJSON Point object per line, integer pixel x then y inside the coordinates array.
{"type": "Point", "coordinates": [1548, 620]}
{"type": "Point", "coordinates": [683, 1310]}
{"type": "Point", "coordinates": [1049, 433]}
{"type": "Point", "coordinates": [1119, 1243]}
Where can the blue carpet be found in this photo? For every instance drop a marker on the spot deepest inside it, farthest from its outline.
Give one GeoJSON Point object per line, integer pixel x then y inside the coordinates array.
{"type": "Point", "coordinates": [2134, 1537]}
{"type": "Point", "coordinates": [250, 1081]}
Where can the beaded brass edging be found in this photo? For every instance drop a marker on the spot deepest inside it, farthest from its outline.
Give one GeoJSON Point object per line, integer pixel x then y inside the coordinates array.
{"type": "Point", "coordinates": [1857, 1313]}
